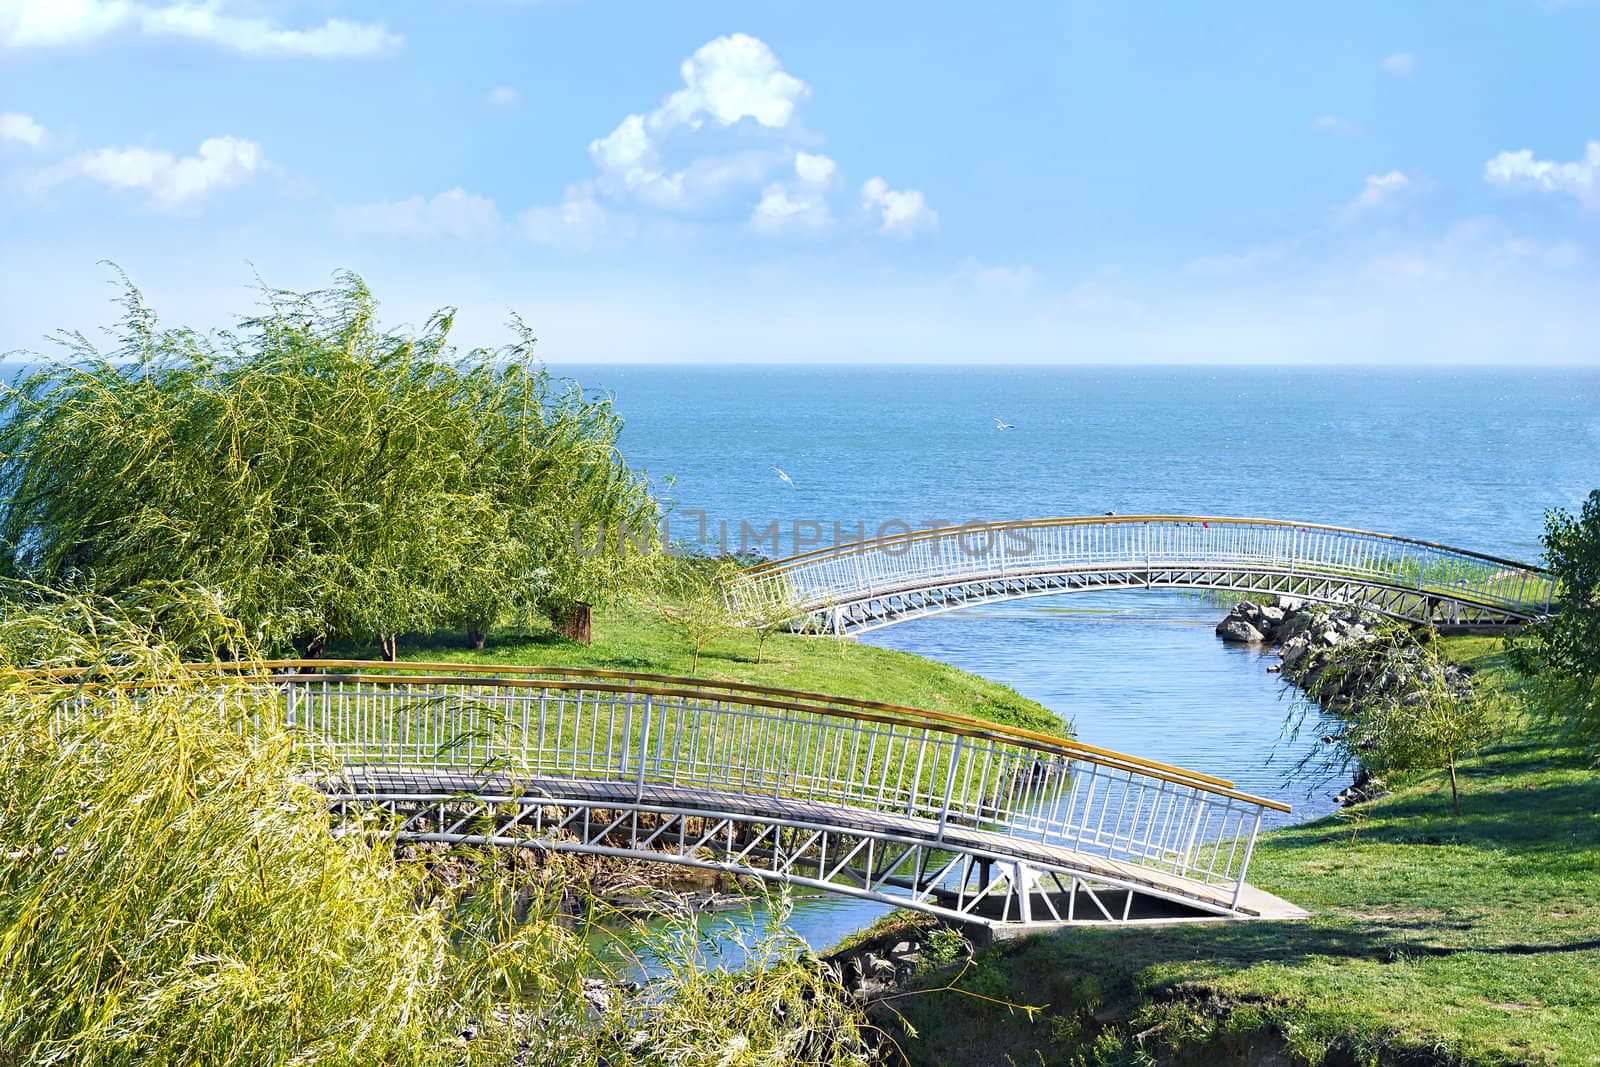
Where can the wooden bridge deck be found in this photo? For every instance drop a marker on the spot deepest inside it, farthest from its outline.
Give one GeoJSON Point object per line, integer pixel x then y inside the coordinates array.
{"type": "Point", "coordinates": [397, 783]}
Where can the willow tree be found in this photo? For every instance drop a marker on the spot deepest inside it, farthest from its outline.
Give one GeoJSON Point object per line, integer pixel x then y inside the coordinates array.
{"type": "Point", "coordinates": [329, 478]}
{"type": "Point", "coordinates": [543, 439]}
{"type": "Point", "coordinates": [1560, 653]}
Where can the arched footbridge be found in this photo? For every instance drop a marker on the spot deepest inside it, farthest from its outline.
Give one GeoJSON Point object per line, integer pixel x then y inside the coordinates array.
{"type": "Point", "coordinates": [864, 585]}
{"type": "Point", "coordinates": [966, 819]}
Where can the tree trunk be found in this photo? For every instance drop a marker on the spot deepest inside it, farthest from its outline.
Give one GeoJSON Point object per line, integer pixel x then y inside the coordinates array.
{"type": "Point", "coordinates": [310, 646]}
{"type": "Point", "coordinates": [476, 639]}
{"type": "Point", "coordinates": [388, 644]}
{"type": "Point", "coordinates": [1455, 795]}
{"type": "Point", "coordinates": [576, 623]}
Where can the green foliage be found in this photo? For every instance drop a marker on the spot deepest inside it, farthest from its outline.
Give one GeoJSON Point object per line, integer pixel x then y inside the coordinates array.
{"type": "Point", "coordinates": [944, 947]}
{"type": "Point", "coordinates": [1402, 705]}
{"type": "Point", "coordinates": [742, 998]}
{"type": "Point", "coordinates": [328, 478]}
{"type": "Point", "coordinates": [170, 894]}
{"type": "Point", "coordinates": [766, 618]}
{"type": "Point", "coordinates": [169, 891]}
{"type": "Point", "coordinates": [1561, 653]}
{"type": "Point", "coordinates": [688, 596]}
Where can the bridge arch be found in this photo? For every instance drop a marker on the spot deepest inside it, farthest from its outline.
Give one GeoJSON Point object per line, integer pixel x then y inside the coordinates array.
{"type": "Point", "coordinates": [865, 585]}
{"type": "Point", "coordinates": [966, 819]}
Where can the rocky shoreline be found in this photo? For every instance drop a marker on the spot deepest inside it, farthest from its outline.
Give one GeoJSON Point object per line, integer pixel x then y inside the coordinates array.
{"type": "Point", "coordinates": [1310, 638]}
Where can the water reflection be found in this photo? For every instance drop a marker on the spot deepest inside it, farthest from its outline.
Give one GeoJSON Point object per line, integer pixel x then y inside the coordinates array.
{"type": "Point", "coordinates": [647, 947]}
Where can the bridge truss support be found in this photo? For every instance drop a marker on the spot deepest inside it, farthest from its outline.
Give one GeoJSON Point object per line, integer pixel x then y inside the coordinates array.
{"type": "Point", "coordinates": [954, 878]}
{"type": "Point", "coordinates": [875, 611]}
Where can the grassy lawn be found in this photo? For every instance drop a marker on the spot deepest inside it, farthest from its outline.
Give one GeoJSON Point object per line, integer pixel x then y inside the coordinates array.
{"type": "Point", "coordinates": [635, 639]}
{"type": "Point", "coordinates": [1435, 940]}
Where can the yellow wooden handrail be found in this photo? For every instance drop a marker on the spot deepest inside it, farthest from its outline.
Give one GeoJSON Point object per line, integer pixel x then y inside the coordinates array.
{"type": "Point", "coordinates": [769, 566]}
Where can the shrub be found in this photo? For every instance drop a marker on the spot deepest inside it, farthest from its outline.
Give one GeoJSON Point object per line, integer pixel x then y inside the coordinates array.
{"type": "Point", "coordinates": [170, 893]}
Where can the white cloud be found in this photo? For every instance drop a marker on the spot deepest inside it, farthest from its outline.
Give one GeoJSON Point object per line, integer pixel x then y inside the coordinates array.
{"type": "Point", "coordinates": [629, 163]}
{"type": "Point", "coordinates": [577, 222]}
{"type": "Point", "coordinates": [903, 211]}
{"type": "Point", "coordinates": [779, 210]}
{"type": "Point", "coordinates": [54, 23]}
{"type": "Point", "coordinates": [814, 169]}
{"type": "Point", "coordinates": [1382, 193]}
{"type": "Point", "coordinates": [624, 147]}
{"type": "Point", "coordinates": [15, 126]}
{"type": "Point", "coordinates": [730, 126]}
{"type": "Point", "coordinates": [502, 96]}
{"type": "Point", "coordinates": [798, 205]}
{"type": "Point", "coordinates": [1337, 126]}
{"type": "Point", "coordinates": [453, 213]}
{"type": "Point", "coordinates": [1399, 64]}
{"type": "Point", "coordinates": [727, 80]}
{"type": "Point", "coordinates": [219, 163]}
{"type": "Point", "coordinates": [39, 23]}
{"type": "Point", "coordinates": [1519, 170]}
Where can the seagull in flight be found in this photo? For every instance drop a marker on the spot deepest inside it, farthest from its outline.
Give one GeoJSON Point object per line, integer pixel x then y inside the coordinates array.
{"type": "Point", "coordinates": [1001, 424]}
{"type": "Point", "coordinates": [782, 477]}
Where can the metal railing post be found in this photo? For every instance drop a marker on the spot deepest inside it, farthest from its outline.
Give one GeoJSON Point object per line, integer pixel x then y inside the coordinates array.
{"type": "Point", "coordinates": [1024, 893]}
{"type": "Point", "coordinates": [644, 749]}
{"type": "Point", "coordinates": [950, 785]}
{"type": "Point", "coordinates": [916, 775]}
{"type": "Point", "coordinates": [779, 751]}
{"type": "Point", "coordinates": [1244, 865]}
{"type": "Point", "coordinates": [1146, 532]}
{"type": "Point", "coordinates": [1194, 833]}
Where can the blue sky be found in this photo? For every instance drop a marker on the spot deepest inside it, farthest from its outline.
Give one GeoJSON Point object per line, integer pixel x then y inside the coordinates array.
{"type": "Point", "coordinates": [1266, 182]}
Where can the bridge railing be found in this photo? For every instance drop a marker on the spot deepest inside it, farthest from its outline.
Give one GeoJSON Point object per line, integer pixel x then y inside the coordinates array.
{"type": "Point", "coordinates": [841, 574]}
{"type": "Point", "coordinates": [734, 743]}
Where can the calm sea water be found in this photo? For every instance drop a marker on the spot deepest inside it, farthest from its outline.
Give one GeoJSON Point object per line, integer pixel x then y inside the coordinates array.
{"type": "Point", "coordinates": [1468, 458]}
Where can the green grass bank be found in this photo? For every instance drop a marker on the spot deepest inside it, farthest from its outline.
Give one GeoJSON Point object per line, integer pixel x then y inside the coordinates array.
{"type": "Point", "coordinates": [633, 638]}
{"type": "Point", "coordinates": [1435, 940]}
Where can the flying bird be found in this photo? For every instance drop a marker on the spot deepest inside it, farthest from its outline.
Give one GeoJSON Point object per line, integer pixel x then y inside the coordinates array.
{"type": "Point", "coordinates": [784, 477]}
{"type": "Point", "coordinates": [1001, 424]}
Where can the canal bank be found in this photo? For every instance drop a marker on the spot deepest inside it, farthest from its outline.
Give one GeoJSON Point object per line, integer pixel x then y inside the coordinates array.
{"type": "Point", "coordinates": [1435, 939]}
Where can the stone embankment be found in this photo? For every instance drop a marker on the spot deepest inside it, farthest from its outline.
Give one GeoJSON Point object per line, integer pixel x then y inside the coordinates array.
{"type": "Point", "coordinates": [1375, 659]}
{"type": "Point", "coordinates": [887, 958]}
{"type": "Point", "coordinates": [1306, 635]}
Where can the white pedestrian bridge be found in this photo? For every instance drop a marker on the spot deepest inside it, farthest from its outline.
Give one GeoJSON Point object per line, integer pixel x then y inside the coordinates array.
{"type": "Point", "coordinates": [864, 585]}
{"type": "Point", "coordinates": [967, 819]}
